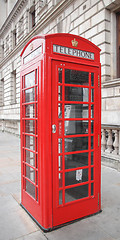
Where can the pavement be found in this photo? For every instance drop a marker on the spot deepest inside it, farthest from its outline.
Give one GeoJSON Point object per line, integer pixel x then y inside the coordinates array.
{"type": "Point", "coordinates": [15, 223]}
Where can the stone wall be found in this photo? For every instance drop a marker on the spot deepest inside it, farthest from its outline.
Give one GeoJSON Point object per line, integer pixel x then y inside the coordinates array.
{"type": "Point", "coordinates": [92, 19]}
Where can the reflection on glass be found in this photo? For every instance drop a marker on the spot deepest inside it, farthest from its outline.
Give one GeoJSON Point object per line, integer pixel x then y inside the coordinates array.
{"type": "Point", "coordinates": [75, 177]}
{"type": "Point", "coordinates": [60, 180]}
{"type": "Point", "coordinates": [92, 111]}
{"type": "Point", "coordinates": [76, 160]}
{"type": "Point", "coordinates": [92, 173]}
{"type": "Point", "coordinates": [76, 144]}
{"type": "Point", "coordinates": [30, 158]}
{"type": "Point", "coordinates": [59, 110]}
{"type": "Point", "coordinates": [30, 142]}
{"type": "Point", "coordinates": [76, 127]}
{"type": "Point", "coordinates": [60, 75]}
{"type": "Point", "coordinates": [92, 95]}
{"type": "Point", "coordinates": [60, 197]}
{"type": "Point", "coordinates": [76, 94]}
{"type": "Point", "coordinates": [92, 158]}
{"type": "Point", "coordinates": [92, 142]}
{"type": "Point", "coordinates": [30, 126]}
{"type": "Point", "coordinates": [59, 93]}
{"type": "Point", "coordinates": [92, 189]}
{"type": "Point", "coordinates": [75, 193]}
{"type": "Point", "coordinates": [30, 111]}
{"type": "Point", "coordinates": [92, 79]}
{"type": "Point", "coordinates": [30, 173]}
{"type": "Point", "coordinates": [59, 145]}
{"type": "Point", "coordinates": [60, 163]}
{"type": "Point", "coordinates": [30, 188]}
{"type": "Point", "coordinates": [92, 126]}
{"type": "Point", "coordinates": [30, 95]}
{"type": "Point", "coordinates": [30, 79]}
{"type": "Point", "coordinates": [76, 110]}
{"type": "Point", "coordinates": [76, 77]}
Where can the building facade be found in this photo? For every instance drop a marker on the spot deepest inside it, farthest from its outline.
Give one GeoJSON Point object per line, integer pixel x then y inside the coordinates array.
{"type": "Point", "coordinates": [96, 20]}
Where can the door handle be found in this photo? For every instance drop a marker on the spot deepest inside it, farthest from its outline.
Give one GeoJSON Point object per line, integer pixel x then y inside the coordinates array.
{"type": "Point", "coordinates": [53, 128]}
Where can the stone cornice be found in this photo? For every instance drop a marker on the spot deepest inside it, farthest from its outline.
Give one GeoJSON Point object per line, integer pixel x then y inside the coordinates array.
{"type": "Point", "coordinates": [45, 19]}
{"type": "Point", "coordinates": [12, 15]}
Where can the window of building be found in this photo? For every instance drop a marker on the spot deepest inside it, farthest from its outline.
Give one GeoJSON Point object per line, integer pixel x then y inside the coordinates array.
{"type": "Point", "coordinates": [59, 24]}
{"type": "Point", "coordinates": [2, 50]}
{"type": "Point", "coordinates": [32, 17]}
{"type": "Point", "coordinates": [7, 43]}
{"type": "Point", "coordinates": [21, 25]}
{"type": "Point", "coordinates": [118, 44]}
{"type": "Point", "coordinates": [2, 92]}
{"type": "Point", "coordinates": [14, 37]}
{"type": "Point", "coordinates": [13, 87]}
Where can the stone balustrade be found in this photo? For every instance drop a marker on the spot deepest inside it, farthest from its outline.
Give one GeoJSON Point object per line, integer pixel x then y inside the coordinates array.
{"type": "Point", "coordinates": [110, 139]}
{"type": "Point", "coordinates": [110, 145]}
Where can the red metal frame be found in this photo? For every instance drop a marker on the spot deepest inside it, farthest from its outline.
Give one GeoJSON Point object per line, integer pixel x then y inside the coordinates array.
{"type": "Point", "coordinates": [44, 207]}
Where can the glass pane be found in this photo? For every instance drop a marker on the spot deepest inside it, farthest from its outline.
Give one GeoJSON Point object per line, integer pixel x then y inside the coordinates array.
{"type": "Point", "coordinates": [60, 75]}
{"type": "Point", "coordinates": [92, 142]}
{"type": "Point", "coordinates": [59, 93]}
{"type": "Point", "coordinates": [30, 142]}
{"type": "Point", "coordinates": [92, 95]}
{"type": "Point", "coordinates": [30, 188]}
{"type": "Point", "coordinates": [92, 79]}
{"type": "Point", "coordinates": [75, 177]}
{"type": "Point", "coordinates": [92, 158]}
{"type": "Point", "coordinates": [30, 126]}
{"type": "Point", "coordinates": [60, 163]}
{"type": "Point", "coordinates": [60, 180]}
{"type": "Point", "coordinates": [30, 158]}
{"type": "Point", "coordinates": [76, 127]}
{"type": "Point", "coordinates": [92, 126]}
{"type": "Point", "coordinates": [92, 111]}
{"type": "Point", "coordinates": [92, 173]}
{"type": "Point", "coordinates": [59, 110]}
{"type": "Point", "coordinates": [76, 160]}
{"type": "Point", "coordinates": [60, 197]}
{"type": "Point", "coordinates": [59, 145]}
{"type": "Point", "coordinates": [76, 144]}
{"type": "Point", "coordinates": [60, 128]}
{"type": "Point", "coordinates": [30, 79]}
{"type": "Point", "coordinates": [76, 77]}
{"type": "Point", "coordinates": [75, 193]}
{"type": "Point", "coordinates": [76, 94]}
{"type": "Point", "coordinates": [92, 189]}
{"type": "Point", "coordinates": [30, 111]}
{"type": "Point", "coordinates": [76, 111]}
{"type": "Point", "coordinates": [30, 95]}
{"type": "Point", "coordinates": [30, 173]}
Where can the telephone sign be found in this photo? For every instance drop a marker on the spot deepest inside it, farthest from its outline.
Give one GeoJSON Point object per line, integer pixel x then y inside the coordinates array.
{"type": "Point", "coordinates": [60, 129]}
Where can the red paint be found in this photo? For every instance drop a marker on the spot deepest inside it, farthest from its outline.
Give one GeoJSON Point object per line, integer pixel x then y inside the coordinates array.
{"type": "Point", "coordinates": [39, 146]}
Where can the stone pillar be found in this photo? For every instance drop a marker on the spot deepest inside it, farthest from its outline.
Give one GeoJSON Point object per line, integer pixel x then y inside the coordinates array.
{"type": "Point", "coordinates": [103, 141]}
{"type": "Point", "coordinates": [116, 143]}
{"type": "Point", "coordinates": [109, 142]}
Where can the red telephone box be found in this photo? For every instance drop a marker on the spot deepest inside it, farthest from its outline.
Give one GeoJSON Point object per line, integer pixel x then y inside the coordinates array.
{"type": "Point", "coordinates": [60, 129]}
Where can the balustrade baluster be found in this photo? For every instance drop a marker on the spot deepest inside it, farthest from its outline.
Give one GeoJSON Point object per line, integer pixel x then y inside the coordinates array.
{"type": "Point", "coordinates": [116, 142]}
{"type": "Point", "coordinates": [109, 142]}
{"type": "Point", "coordinates": [103, 141]}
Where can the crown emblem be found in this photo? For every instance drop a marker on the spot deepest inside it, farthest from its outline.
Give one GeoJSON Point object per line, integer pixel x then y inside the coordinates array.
{"type": "Point", "coordinates": [74, 43]}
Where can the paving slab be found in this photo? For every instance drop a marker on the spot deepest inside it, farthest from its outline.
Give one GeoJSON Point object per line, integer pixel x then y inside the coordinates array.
{"type": "Point", "coordinates": [16, 224]}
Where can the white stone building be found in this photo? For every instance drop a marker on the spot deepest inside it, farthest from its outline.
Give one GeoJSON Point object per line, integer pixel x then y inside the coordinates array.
{"type": "Point", "coordinates": [96, 20]}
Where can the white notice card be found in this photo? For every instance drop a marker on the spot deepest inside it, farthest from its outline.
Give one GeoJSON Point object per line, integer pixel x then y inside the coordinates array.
{"type": "Point", "coordinates": [79, 175]}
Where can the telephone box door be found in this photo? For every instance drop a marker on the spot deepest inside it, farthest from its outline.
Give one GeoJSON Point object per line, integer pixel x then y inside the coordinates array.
{"type": "Point", "coordinates": [75, 141]}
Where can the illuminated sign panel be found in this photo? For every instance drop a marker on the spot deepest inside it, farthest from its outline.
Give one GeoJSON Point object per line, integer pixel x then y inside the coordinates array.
{"type": "Point", "coordinates": [73, 52]}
